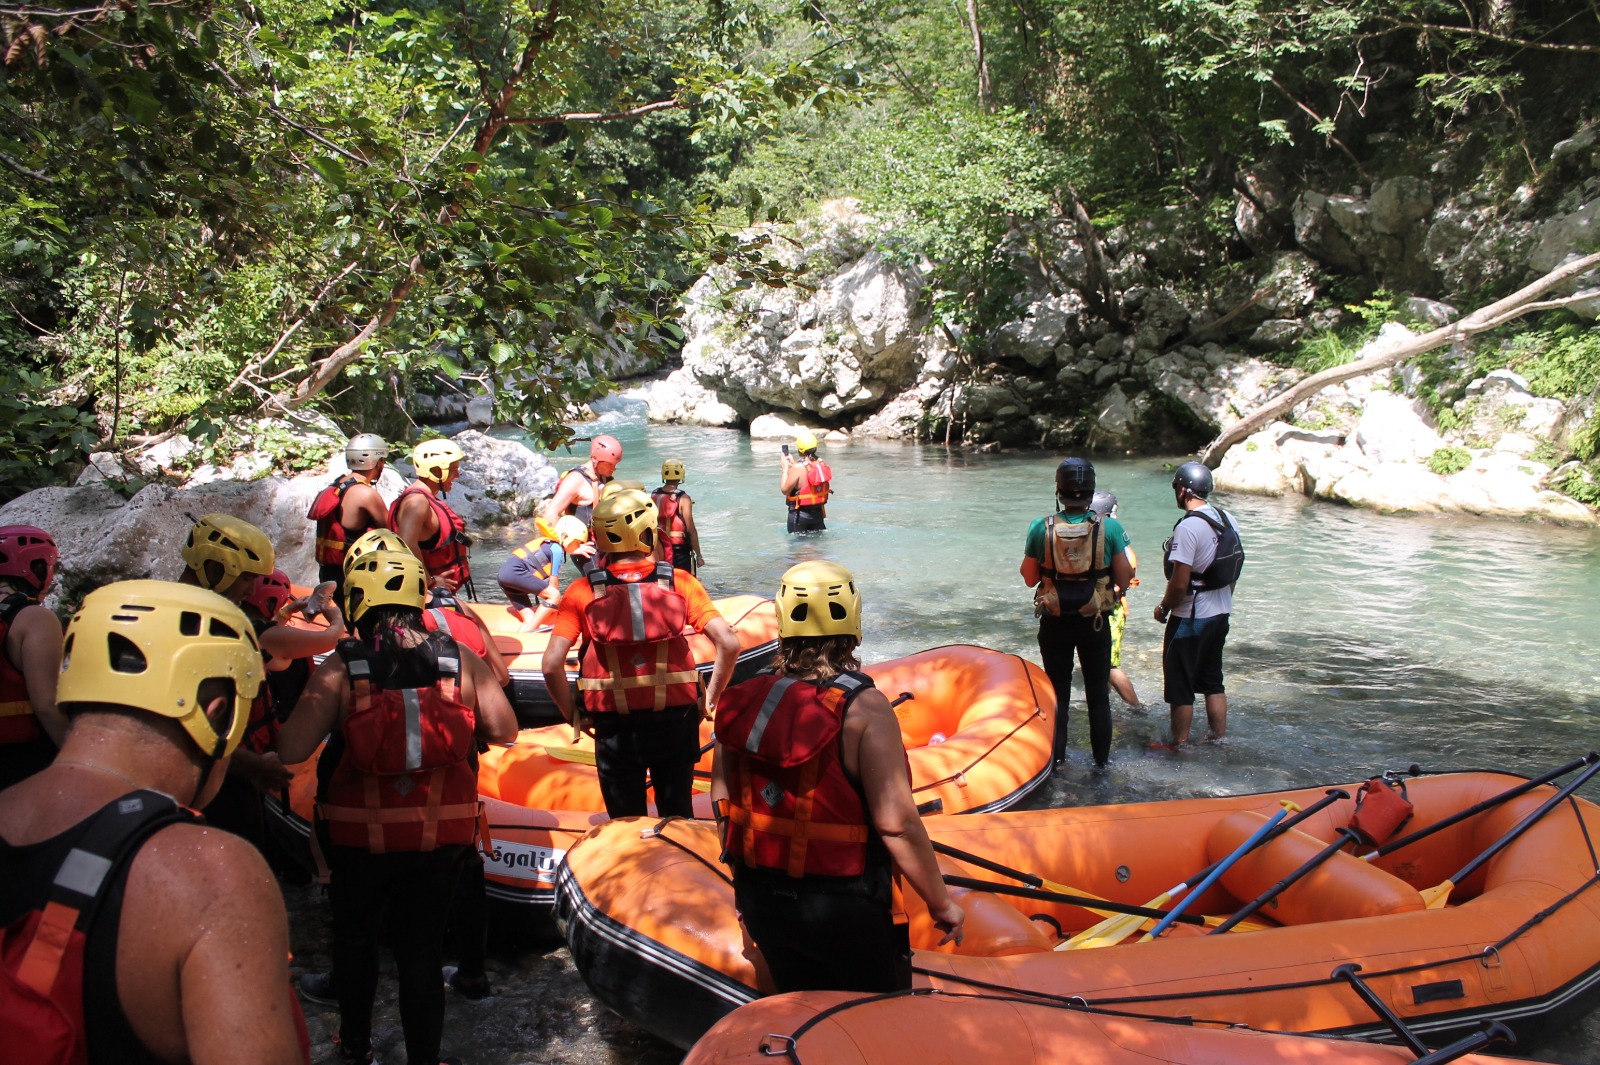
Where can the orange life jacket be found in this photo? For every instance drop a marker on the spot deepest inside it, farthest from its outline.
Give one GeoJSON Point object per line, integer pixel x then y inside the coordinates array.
{"type": "Point", "coordinates": [635, 656]}
{"type": "Point", "coordinates": [18, 724]}
{"type": "Point", "coordinates": [536, 553]}
{"type": "Point", "coordinates": [448, 556]}
{"type": "Point", "coordinates": [48, 907]}
{"type": "Point", "coordinates": [791, 806]}
{"type": "Point", "coordinates": [332, 537]}
{"type": "Point", "coordinates": [406, 780]}
{"type": "Point", "coordinates": [448, 617]}
{"type": "Point", "coordinates": [818, 481]}
{"type": "Point", "coordinates": [669, 522]}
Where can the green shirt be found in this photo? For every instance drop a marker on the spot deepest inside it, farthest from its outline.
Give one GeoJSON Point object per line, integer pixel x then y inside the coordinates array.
{"type": "Point", "coordinates": [1116, 540]}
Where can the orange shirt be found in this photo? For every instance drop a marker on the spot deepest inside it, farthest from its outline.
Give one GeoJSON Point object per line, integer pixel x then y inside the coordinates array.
{"type": "Point", "coordinates": [571, 623]}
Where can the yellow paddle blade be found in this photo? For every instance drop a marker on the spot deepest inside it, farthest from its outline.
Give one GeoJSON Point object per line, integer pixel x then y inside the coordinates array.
{"type": "Point", "coordinates": [1115, 928]}
{"type": "Point", "coordinates": [1438, 895]}
{"type": "Point", "coordinates": [581, 755]}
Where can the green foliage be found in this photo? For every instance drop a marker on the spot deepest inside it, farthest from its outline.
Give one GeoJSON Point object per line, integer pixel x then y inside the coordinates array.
{"type": "Point", "coordinates": [1448, 460]}
{"type": "Point", "coordinates": [41, 441]}
{"type": "Point", "coordinates": [1583, 484]}
{"type": "Point", "coordinates": [1561, 363]}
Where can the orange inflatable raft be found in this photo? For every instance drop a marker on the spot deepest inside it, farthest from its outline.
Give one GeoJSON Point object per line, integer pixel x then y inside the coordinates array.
{"type": "Point", "coordinates": [977, 727]}
{"type": "Point", "coordinates": [648, 911]}
{"type": "Point", "coordinates": [839, 1028]}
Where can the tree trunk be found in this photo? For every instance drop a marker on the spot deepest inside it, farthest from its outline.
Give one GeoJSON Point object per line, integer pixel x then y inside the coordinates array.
{"type": "Point", "coordinates": [985, 90]}
{"type": "Point", "coordinates": [1523, 301]}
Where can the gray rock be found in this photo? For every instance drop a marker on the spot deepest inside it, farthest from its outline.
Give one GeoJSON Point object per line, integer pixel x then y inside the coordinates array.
{"type": "Point", "coordinates": [1431, 312]}
{"type": "Point", "coordinates": [1566, 237]}
{"type": "Point", "coordinates": [680, 398]}
{"type": "Point", "coordinates": [1316, 231]}
{"type": "Point", "coordinates": [501, 481]}
{"type": "Point", "coordinates": [1397, 205]}
{"type": "Point", "coordinates": [1391, 430]}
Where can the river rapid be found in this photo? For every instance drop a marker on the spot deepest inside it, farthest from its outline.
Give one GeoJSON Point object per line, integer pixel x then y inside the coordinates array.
{"type": "Point", "coordinates": [1359, 643]}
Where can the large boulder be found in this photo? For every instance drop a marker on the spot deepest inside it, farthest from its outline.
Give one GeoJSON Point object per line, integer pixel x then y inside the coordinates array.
{"type": "Point", "coordinates": [680, 398]}
{"type": "Point", "coordinates": [501, 481]}
{"type": "Point", "coordinates": [1391, 429]}
{"type": "Point", "coordinates": [838, 349]}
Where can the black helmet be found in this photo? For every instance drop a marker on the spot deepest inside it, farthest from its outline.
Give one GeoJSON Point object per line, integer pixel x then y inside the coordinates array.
{"type": "Point", "coordinates": [1075, 479]}
{"type": "Point", "coordinates": [1194, 476]}
{"type": "Point", "coordinates": [1103, 503]}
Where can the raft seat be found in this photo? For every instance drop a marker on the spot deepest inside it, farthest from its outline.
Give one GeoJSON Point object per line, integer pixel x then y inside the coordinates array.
{"type": "Point", "coordinates": [1342, 888]}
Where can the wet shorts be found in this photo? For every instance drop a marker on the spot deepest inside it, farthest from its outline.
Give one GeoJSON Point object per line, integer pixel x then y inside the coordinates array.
{"type": "Point", "coordinates": [1191, 658]}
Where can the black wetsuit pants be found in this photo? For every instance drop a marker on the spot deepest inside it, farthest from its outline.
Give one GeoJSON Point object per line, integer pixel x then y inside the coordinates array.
{"type": "Point", "coordinates": [1090, 639]}
{"type": "Point", "coordinates": [648, 751]}
{"type": "Point", "coordinates": [806, 519]}
{"type": "Point", "coordinates": [405, 896]}
{"type": "Point", "coordinates": [820, 940]}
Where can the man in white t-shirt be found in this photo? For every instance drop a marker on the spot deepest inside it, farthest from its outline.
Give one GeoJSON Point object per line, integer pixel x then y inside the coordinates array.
{"type": "Point", "coordinates": [1202, 560]}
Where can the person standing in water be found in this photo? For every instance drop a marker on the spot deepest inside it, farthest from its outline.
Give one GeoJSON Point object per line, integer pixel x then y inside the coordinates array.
{"type": "Point", "coordinates": [813, 799]}
{"type": "Point", "coordinates": [185, 953]}
{"type": "Point", "coordinates": [579, 490]}
{"type": "Point", "coordinates": [349, 507]}
{"type": "Point", "coordinates": [1202, 560]}
{"type": "Point", "coordinates": [1077, 562]}
{"type": "Point", "coordinates": [806, 484]}
{"type": "Point", "coordinates": [1105, 505]}
{"type": "Point", "coordinates": [31, 728]}
{"type": "Point", "coordinates": [678, 537]}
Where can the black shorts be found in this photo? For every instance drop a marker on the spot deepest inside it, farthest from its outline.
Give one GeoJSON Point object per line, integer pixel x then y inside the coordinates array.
{"type": "Point", "coordinates": [1191, 658]}
{"type": "Point", "coordinates": [806, 519]}
{"type": "Point", "coordinates": [815, 939]}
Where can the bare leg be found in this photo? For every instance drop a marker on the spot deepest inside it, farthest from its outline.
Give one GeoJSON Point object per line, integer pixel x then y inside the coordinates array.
{"type": "Point", "coordinates": [1182, 717]}
{"type": "Point", "coordinates": [1217, 715]}
{"type": "Point", "coordinates": [1124, 688]}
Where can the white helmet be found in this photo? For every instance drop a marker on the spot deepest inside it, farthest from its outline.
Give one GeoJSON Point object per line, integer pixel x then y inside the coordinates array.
{"type": "Point", "coordinates": [364, 452]}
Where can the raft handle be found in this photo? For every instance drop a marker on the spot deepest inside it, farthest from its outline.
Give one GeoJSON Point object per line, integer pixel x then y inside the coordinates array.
{"type": "Point", "coordinates": [777, 1046]}
{"type": "Point", "coordinates": [1490, 958]}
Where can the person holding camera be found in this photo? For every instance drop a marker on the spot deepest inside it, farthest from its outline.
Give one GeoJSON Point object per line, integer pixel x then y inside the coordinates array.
{"type": "Point", "coordinates": [806, 483]}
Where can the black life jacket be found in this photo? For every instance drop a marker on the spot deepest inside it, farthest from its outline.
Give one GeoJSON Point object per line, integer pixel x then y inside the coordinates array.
{"type": "Point", "coordinates": [1228, 561]}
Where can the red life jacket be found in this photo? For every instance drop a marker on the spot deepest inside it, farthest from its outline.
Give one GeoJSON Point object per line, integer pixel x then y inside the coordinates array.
{"type": "Point", "coordinates": [406, 780]}
{"type": "Point", "coordinates": [332, 537]}
{"type": "Point", "coordinates": [450, 620]}
{"type": "Point", "coordinates": [818, 482]}
{"type": "Point", "coordinates": [791, 806]}
{"type": "Point", "coordinates": [18, 724]}
{"type": "Point", "coordinates": [448, 556]}
{"type": "Point", "coordinates": [669, 523]}
{"type": "Point", "coordinates": [48, 913]}
{"type": "Point", "coordinates": [635, 656]}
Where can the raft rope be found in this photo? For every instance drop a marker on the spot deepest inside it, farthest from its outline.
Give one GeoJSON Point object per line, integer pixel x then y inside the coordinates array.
{"type": "Point", "coordinates": [1038, 712]}
{"type": "Point", "coordinates": [659, 831]}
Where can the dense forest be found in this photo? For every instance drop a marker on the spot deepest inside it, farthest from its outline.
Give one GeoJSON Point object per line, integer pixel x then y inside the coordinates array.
{"type": "Point", "coordinates": [218, 209]}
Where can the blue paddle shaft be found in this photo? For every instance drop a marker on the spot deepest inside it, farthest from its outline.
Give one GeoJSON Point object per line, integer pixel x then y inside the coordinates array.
{"type": "Point", "coordinates": [1222, 867]}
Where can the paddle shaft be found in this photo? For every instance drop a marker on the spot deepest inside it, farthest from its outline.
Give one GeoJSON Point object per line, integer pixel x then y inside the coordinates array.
{"type": "Point", "coordinates": [1117, 926]}
{"type": "Point", "coordinates": [1527, 822]}
{"type": "Point", "coordinates": [1221, 867]}
{"type": "Point", "coordinates": [1073, 900]}
{"type": "Point", "coordinates": [1477, 808]}
{"type": "Point", "coordinates": [986, 863]}
{"type": "Point", "coordinates": [1346, 835]}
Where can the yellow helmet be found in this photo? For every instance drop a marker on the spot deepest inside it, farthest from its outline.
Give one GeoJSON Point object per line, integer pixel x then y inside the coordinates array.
{"type": "Point", "coordinates": [805, 440]}
{"type": "Point", "coordinates": [433, 458]}
{"type": "Point", "coordinates": [234, 544]}
{"type": "Point", "coordinates": [818, 598]}
{"type": "Point", "coordinates": [613, 487]}
{"type": "Point", "coordinates": [385, 578]}
{"type": "Point", "coordinates": [571, 530]}
{"type": "Point", "coordinates": [625, 521]}
{"type": "Point", "coordinates": [672, 470]}
{"type": "Point", "coordinates": [371, 541]}
{"type": "Point", "coordinates": [152, 646]}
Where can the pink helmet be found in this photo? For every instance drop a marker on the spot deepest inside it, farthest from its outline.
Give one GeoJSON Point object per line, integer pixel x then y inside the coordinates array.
{"type": "Point", "coordinates": [605, 449]}
{"type": "Point", "coordinates": [269, 594]}
{"type": "Point", "coordinates": [28, 554]}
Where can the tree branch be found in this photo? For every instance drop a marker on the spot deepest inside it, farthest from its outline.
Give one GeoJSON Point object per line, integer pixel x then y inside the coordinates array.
{"type": "Point", "coordinates": [598, 116]}
{"type": "Point", "coordinates": [1520, 42]}
{"type": "Point", "coordinates": [1523, 301]}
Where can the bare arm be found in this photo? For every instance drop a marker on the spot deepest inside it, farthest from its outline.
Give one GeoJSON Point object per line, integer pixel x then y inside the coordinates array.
{"type": "Point", "coordinates": [1032, 572]}
{"type": "Point", "coordinates": [554, 667]}
{"type": "Point", "coordinates": [203, 962]}
{"type": "Point", "coordinates": [289, 642]}
{"type": "Point", "coordinates": [497, 722]}
{"type": "Point", "coordinates": [1177, 589]}
{"type": "Point", "coordinates": [491, 652]}
{"type": "Point", "coordinates": [727, 643]}
{"type": "Point", "coordinates": [1121, 570]}
{"type": "Point", "coordinates": [881, 768]}
{"type": "Point", "coordinates": [790, 477]}
{"type": "Point", "coordinates": [316, 714]}
{"type": "Point", "coordinates": [566, 495]}
{"type": "Point", "coordinates": [363, 509]}
{"type": "Point", "coordinates": [35, 645]}
{"type": "Point", "coordinates": [690, 533]}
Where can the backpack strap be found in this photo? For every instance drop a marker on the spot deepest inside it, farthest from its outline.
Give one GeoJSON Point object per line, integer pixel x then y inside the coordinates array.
{"type": "Point", "coordinates": [664, 574]}
{"type": "Point", "coordinates": [114, 836]}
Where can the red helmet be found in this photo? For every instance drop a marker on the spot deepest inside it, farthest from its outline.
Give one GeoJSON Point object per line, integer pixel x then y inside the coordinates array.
{"type": "Point", "coordinates": [605, 449]}
{"type": "Point", "coordinates": [28, 554]}
{"type": "Point", "coordinates": [269, 594]}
